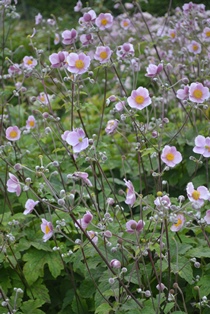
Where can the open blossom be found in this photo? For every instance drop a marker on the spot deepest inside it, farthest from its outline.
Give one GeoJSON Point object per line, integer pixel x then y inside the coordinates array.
{"type": "Point", "coordinates": [29, 62]}
{"type": "Point", "coordinates": [78, 63]}
{"type": "Point", "coordinates": [130, 193]}
{"type": "Point", "coordinates": [88, 18]}
{"type": "Point", "coordinates": [93, 236]}
{"type": "Point", "coordinates": [111, 126]}
{"type": "Point", "coordinates": [197, 196]}
{"type": "Point", "coordinates": [38, 19]}
{"type": "Point", "coordinates": [194, 47]}
{"type": "Point", "coordinates": [202, 145]}
{"type": "Point", "coordinates": [153, 70]}
{"type": "Point", "coordinates": [85, 220]}
{"type": "Point", "coordinates": [15, 69]}
{"type": "Point", "coordinates": [125, 50]}
{"type": "Point", "coordinates": [69, 36]}
{"type": "Point", "coordinates": [206, 34]}
{"type": "Point", "coordinates": [120, 106]}
{"type": "Point", "coordinates": [207, 217]}
{"type": "Point", "coordinates": [31, 122]}
{"type": "Point", "coordinates": [13, 133]}
{"type": "Point", "coordinates": [162, 202]}
{"type": "Point", "coordinates": [13, 184]}
{"type": "Point", "coordinates": [170, 156]}
{"type": "Point", "coordinates": [58, 60]}
{"type": "Point", "coordinates": [104, 20]}
{"type": "Point", "coordinates": [47, 229]}
{"type": "Point", "coordinates": [133, 226]}
{"type": "Point", "coordinates": [29, 206]}
{"type": "Point", "coordinates": [179, 224]}
{"type": "Point", "coordinates": [78, 6]}
{"type": "Point", "coordinates": [139, 98]}
{"type": "Point", "coordinates": [83, 176]}
{"type": "Point", "coordinates": [77, 139]}
{"type": "Point", "coordinates": [172, 34]}
{"type": "Point", "coordinates": [43, 98]}
{"type": "Point", "coordinates": [103, 54]}
{"type": "Point", "coordinates": [198, 93]}
{"type": "Point", "coordinates": [125, 23]}
{"type": "Point", "coordinates": [183, 94]}
{"type": "Point", "coordinates": [86, 39]}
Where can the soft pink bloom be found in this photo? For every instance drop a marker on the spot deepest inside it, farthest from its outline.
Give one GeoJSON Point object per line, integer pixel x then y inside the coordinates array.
{"type": "Point", "coordinates": [183, 94]}
{"type": "Point", "coordinates": [51, 22]}
{"type": "Point", "coordinates": [19, 87]}
{"type": "Point", "coordinates": [170, 156]}
{"type": "Point", "coordinates": [86, 39]}
{"type": "Point", "coordinates": [38, 19]}
{"type": "Point", "coordinates": [188, 7]}
{"type": "Point", "coordinates": [153, 70]}
{"type": "Point", "coordinates": [202, 146]}
{"type": "Point", "coordinates": [13, 184]}
{"type": "Point", "coordinates": [84, 221]}
{"type": "Point", "coordinates": [15, 69]}
{"type": "Point", "coordinates": [78, 63]}
{"type": "Point", "coordinates": [115, 263]}
{"type": "Point", "coordinates": [198, 93]}
{"type": "Point", "coordinates": [83, 176]}
{"type": "Point", "coordinates": [13, 133]}
{"type": "Point", "coordinates": [179, 224]}
{"type": "Point", "coordinates": [128, 5]}
{"type": "Point", "coordinates": [135, 64]}
{"type": "Point", "coordinates": [56, 39]}
{"type": "Point", "coordinates": [206, 34]}
{"type": "Point", "coordinates": [130, 193]}
{"type": "Point", "coordinates": [194, 47]}
{"type": "Point", "coordinates": [58, 60]}
{"type": "Point", "coordinates": [88, 18]}
{"type": "Point", "coordinates": [197, 196]}
{"type": "Point", "coordinates": [125, 23]}
{"type": "Point", "coordinates": [31, 122]}
{"type": "Point", "coordinates": [162, 202]}
{"type": "Point", "coordinates": [161, 287]}
{"type": "Point", "coordinates": [120, 106]}
{"type": "Point", "coordinates": [104, 20]}
{"type": "Point", "coordinates": [43, 98]}
{"type": "Point", "coordinates": [69, 37]}
{"type": "Point", "coordinates": [111, 126]}
{"type": "Point", "coordinates": [77, 139]}
{"type": "Point", "coordinates": [139, 98]}
{"type": "Point", "coordinates": [172, 34]}
{"type": "Point", "coordinates": [207, 217]}
{"type": "Point", "coordinates": [93, 236]}
{"type": "Point", "coordinates": [47, 229]}
{"type": "Point", "coordinates": [132, 226]}
{"type": "Point", "coordinates": [103, 54]}
{"type": "Point", "coordinates": [29, 206]}
{"type": "Point", "coordinates": [125, 50]}
{"type": "Point", "coordinates": [29, 62]}
{"type": "Point", "coordinates": [78, 6]}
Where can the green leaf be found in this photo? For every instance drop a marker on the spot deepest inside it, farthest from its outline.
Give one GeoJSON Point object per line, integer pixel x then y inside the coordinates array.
{"type": "Point", "coordinates": [204, 286]}
{"type": "Point", "coordinates": [35, 262]}
{"type": "Point", "coordinates": [32, 306]}
{"type": "Point", "coordinates": [87, 288]}
{"type": "Point", "coordinates": [104, 308]}
{"type": "Point", "coordinates": [39, 291]}
{"type": "Point", "coordinates": [199, 252]}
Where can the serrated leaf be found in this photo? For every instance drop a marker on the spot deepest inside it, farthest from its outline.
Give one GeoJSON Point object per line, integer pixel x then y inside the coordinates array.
{"type": "Point", "coordinates": [32, 306]}
{"type": "Point", "coordinates": [204, 285]}
{"type": "Point", "coordinates": [104, 308]}
{"type": "Point", "coordinates": [39, 291]}
{"type": "Point", "coordinates": [199, 252]}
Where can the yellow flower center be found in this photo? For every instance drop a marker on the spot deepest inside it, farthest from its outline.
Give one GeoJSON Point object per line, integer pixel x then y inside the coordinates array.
{"type": "Point", "coordinates": [195, 47]}
{"type": "Point", "coordinates": [47, 229]}
{"type": "Point", "coordinates": [170, 156]}
{"type": "Point", "coordinates": [173, 35]}
{"type": "Point", "coordinates": [196, 195]}
{"type": "Point", "coordinates": [208, 34]}
{"type": "Point", "coordinates": [80, 139]}
{"type": "Point", "coordinates": [179, 222]}
{"type": "Point", "coordinates": [29, 62]}
{"type": "Point", "coordinates": [79, 64]}
{"type": "Point", "coordinates": [13, 134]}
{"type": "Point", "coordinates": [207, 147]}
{"type": "Point", "coordinates": [42, 98]}
{"type": "Point", "coordinates": [197, 93]}
{"type": "Point", "coordinates": [31, 123]}
{"type": "Point", "coordinates": [103, 55]}
{"type": "Point", "coordinates": [125, 23]}
{"type": "Point", "coordinates": [104, 22]}
{"type": "Point", "coordinates": [92, 235]}
{"type": "Point", "coordinates": [139, 100]}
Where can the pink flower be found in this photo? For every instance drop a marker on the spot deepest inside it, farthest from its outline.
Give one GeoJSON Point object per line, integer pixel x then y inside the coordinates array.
{"type": "Point", "coordinates": [126, 50]}
{"type": "Point", "coordinates": [207, 217]}
{"type": "Point", "coordinates": [56, 39]}
{"type": "Point", "coordinates": [170, 156]}
{"type": "Point", "coordinates": [78, 6]}
{"type": "Point", "coordinates": [85, 220]}
{"type": "Point", "coordinates": [183, 94]}
{"type": "Point", "coordinates": [104, 20]}
{"type": "Point", "coordinates": [78, 63]}
{"type": "Point", "coordinates": [76, 139]}
{"type": "Point", "coordinates": [202, 146]}
{"type": "Point", "coordinates": [13, 184]}
{"type": "Point", "coordinates": [161, 287]}
{"type": "Point", "coordinates": [29, 62]}
{"type": "Point", "coordinates": [38, 19]}
{"type": "Point", "coordinates": [132, 226]}
{"type": "Point", "coordinates": [125, 23]}
{"type": "Point", "coordinates": [13, 133]}
{"type": "Point", "coordinates": [51, 22]}
{"type": "Point", "coordinates": [103, 54]}
{"type": "Point", "coordinates": [198, 93]}
{"type": "Point", "coordinates": [83, 176]}
{"type": "Point", "coordinates": [69, 37]}
{"type": "Point", "coordinates": [194, 47]}
{"type": "Point", "coordinates": [31, 122]}
{"type": "Point", "coordinates": [206, 34]}
{"type": "Point", "coordinates": [58, 60]}
{"type": "Point", "coordinates": [139, 98]}
{"type": "Point", "coordinates": [179, 224]}
{"type": "Point", "coordinates": [88, 18]}
{"type": "Point", "coordinates": [29, 206]}
{"type": "Point", "coordinates": [172, 34]}
{"type": "Point", "coordinates": [115, 263]}
{"type": "Point", "coordinates": [197, 196]}
{"type": "Point", "coordinates": [86, 39]}
{"type": "Point", "coordinates": [120, 106]}
{"type": "Point", "coordinates": [15, 69]}
{"type": "Point", "coordinates": [162, 202]}
{"type": "Point", "coordinates": [93, 236]}
{"type": "Point", "coordinates": [111, 126]}
{"type": "Point", "coordinates": [43, 98]}
{"type": "Point", "coordinates": [130, 196]}
{"type": "Point", "coordinates": [153, 70]}
{"type": "Point", "coordinates": [47, 229]}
